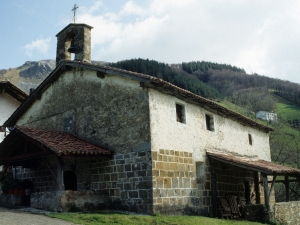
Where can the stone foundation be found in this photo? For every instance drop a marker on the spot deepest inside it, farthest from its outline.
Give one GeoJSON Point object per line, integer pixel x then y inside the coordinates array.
{"type": "Point", "coordinates": [68, 201]}
{"type": "Point", "coordinates": [10, 200]}
{"type": "Point", "coordinates": [287, 212]}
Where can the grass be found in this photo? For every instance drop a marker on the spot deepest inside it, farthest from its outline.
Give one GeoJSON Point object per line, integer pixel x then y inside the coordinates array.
{"type": "Point", "coordinates": [288, 112]}
{"type": "Point", "coordinates": [107, 217]}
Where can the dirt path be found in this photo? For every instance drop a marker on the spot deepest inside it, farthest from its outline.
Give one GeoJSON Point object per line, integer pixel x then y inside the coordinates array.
{"type": "Point", "coordinates": [18, 217]}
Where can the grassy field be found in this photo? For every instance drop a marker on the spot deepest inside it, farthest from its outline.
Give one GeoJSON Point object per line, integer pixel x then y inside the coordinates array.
{"type": "Point", "coordinates": [105, 217]}
{"type": "Point", "coordinates": [288, 112]}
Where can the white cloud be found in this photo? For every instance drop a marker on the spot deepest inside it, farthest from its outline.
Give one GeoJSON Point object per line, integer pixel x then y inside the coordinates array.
{"type": "Point", "coordinates": [259, 36]}
{"type": "Point", "coordinates": [38, 45]}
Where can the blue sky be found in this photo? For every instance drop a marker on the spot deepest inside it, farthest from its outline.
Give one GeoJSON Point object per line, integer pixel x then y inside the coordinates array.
{"type": "Point", "coordinates": [260, 36]}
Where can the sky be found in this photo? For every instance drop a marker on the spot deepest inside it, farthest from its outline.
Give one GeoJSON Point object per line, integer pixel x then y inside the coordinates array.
{"type": "Point", "coordinates": [262, 37]}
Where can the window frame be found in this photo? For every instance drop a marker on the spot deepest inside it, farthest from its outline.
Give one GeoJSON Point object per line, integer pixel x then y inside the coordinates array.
{"type": "Point", "coordinates": [209, 122]}
{"type": "Point", "coordinates": [180, 113]}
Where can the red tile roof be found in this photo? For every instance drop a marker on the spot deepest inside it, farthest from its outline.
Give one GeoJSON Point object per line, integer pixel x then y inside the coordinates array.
{"type": "Point", "coordinates": [63, 143]}
{"type": "Point", "coordinates": [254, 164]}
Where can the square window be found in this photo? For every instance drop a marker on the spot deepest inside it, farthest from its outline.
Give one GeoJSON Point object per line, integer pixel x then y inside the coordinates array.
{"type": "Point", "coordinates": [180, 113]}
{"type": "Point", "coordinates": [209, 122]}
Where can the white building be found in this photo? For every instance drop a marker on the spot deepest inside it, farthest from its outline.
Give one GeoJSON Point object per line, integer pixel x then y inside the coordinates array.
{"type": "Point", "coordinates": [268, 116]}
{"type": "Point", "coordinates": [11, 98]}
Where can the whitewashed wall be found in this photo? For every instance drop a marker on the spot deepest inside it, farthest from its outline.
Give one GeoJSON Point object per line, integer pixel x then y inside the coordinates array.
{"type": "Point", "coordinates": [229, 135]}
{"type": "Point", "coordinates": [7, 106]}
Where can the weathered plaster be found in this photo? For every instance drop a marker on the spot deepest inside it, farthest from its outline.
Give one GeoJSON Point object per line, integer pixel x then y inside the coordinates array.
{"type": "Point", "coordinates": [112, 112]}
{"type": "Point", "coordinates": [192, 136]}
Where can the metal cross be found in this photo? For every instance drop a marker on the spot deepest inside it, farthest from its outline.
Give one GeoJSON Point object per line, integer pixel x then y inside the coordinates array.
{"type": "Point", "coordinates": [74, 10]}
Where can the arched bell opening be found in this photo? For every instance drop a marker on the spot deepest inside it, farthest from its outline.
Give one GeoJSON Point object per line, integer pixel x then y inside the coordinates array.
{"type": "Point", "coordinates": [70, 180]}
{"type": "Point", "coordinates": [70, 48]}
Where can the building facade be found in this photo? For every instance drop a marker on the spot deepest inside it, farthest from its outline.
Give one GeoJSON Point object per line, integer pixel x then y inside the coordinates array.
{"type": "Point", "coordinates": [101, 137]}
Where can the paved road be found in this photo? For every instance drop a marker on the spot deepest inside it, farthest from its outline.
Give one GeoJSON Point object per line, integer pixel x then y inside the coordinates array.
{"type": "Point", "coordinates": [18, 217]}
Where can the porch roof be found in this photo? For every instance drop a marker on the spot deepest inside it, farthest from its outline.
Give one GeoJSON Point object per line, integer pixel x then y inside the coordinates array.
{"type": "Point", "coordinates": [57, 142]}
{"type": "Point", "coordinates": [258, 165]}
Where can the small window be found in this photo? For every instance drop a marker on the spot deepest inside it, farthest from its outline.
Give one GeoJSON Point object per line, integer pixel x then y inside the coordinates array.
{"type": "Point", "coordinates": [200, 172]}
{"type": "Point", "coordinates": [250, 139]}
{"type": "Point", "coordinates": [209, 122]}
{"type": "Point", "coordinates": [180, 113]}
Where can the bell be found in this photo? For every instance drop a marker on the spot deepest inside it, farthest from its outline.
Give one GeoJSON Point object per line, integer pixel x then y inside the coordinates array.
{"type": "Point", "coordinates": [72, 48]}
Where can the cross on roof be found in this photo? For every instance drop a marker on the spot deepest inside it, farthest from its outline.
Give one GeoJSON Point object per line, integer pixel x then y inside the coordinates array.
{"type": "Point", "coordinates": [74, 10]}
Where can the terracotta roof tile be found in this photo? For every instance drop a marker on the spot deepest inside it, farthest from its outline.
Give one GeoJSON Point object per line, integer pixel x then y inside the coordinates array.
{"type": "Point", "coordinates": [254, 164]}
{"type": "Point", "coordinates": [63, 143]}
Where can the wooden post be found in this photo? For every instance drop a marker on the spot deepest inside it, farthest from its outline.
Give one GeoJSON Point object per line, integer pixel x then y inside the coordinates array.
{"type": "Point", "coordinates": [256, 188]}
{"type": "Point", "coordinates": [272, 186]}
{"type": "Point", "coordinates": [60, 176]}
{"type": "Point", "coordinates": [287, 190]}
{"type": "Point", "coordinates": [213, 187]}
{"type": "Point", "coordinates": [266, 191]}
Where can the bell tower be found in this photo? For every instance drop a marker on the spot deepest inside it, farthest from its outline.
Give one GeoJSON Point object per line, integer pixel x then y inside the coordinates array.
{"type": "Point", "coordinates": [74, 38]}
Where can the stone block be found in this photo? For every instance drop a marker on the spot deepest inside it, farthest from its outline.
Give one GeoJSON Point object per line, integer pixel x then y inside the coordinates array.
{"type": "Point", "coordinates": [173, 166]}
{"type": "Point", "coordinates": [159, 165]}
{"type": "Point", "coordinates": [167, 183]}
{"type": "Point", "coordinates": [186, 182]}
{"type": "Point", "coordinates": [155, 173]}
{"type": "Point", "coordinates": [165, 202]}
{"type": "Point", "coordinates": [170, 174]}
{"type": "Point", "coordinates": [144, 185]}
{"type": "Point", "coordinates": [122, 175]}
{"type": "Point", "coordinates": [133, 194]}
{"type": "Point", "coordinates": [159, 182]}
{"type": "Point", "coordinates": [127, 186]}
{"type": "Point", "coordinates": [135, 167]}
{"type": "Point", "coordinates": [154, 155]}
{"type": "Point", "coordinates": [166, 166]}
{"type": "Point", "coordinates": [165, 158]}
{"type": "Point", "coordinates": [159, 201]}
{"type": "Point", "coordinates": [175, 183]}
{"type": "Point", "coordinates": [143, 194]}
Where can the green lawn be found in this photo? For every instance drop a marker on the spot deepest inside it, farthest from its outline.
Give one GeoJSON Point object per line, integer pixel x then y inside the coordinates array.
{"type": "Point", "coordinates": [105, 217]}
{"type": "Point", "coordinates": [288, 112]}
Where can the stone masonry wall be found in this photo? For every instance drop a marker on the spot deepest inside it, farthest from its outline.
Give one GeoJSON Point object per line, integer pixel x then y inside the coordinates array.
{"type": "Point", "coordinates": [41, 177]}
{"type": "Point", "coordinates": [126, 180]}
{"type": "Point", "coordinates": [287, 212]}
{"type": "Point", "coordinates": [175, 190]}
{"type": "Point", "coordinates": [230, 180]}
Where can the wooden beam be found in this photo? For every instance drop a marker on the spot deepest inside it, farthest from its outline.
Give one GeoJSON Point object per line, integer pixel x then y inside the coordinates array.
{"type": "Point", "coordinates": [25, 156]}
{"type": "Point", "coordinates": [256, 188]}
{"type": "Point", "coordinates": [287, 192]}
{"type": "Point", "coordinates": [60, 175]}
{"type": "Point", "coordinates": [294, 191]}
{"type": "Point", "coordinates": [272, 186]}
{"type": "Point", "coordinates": [49, 167]}
{"type": "Point", "coordinates": [281, 181]}
{"type": "Point", "coordinates": [266, 192]}
{"type": "Point", "coordinates": [213, 186]}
